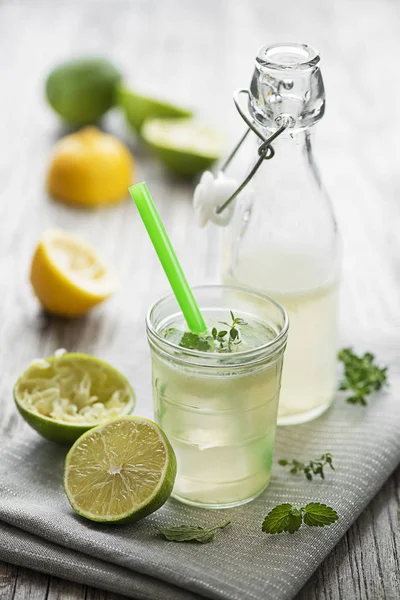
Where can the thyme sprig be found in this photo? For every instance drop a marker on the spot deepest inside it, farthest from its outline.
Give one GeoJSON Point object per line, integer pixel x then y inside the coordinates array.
{"type": "Point", "coordinates": [314, 467]}
{"type": "Point", "coordinates": [225, 343]}
{"type": "Point", "coordinates": [362, 376]}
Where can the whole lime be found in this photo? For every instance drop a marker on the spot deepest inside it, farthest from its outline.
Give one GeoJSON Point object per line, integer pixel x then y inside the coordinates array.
{"type": "Point", "coordinates": [82, 90]}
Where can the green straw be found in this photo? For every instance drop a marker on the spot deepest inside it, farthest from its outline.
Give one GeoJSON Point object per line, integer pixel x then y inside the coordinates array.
{"type": "Point", "coordinates": [162, 244]}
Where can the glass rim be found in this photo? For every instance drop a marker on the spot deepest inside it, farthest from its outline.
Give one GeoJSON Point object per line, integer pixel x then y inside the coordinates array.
{"type": "Point", "coordinates": [275, 343]}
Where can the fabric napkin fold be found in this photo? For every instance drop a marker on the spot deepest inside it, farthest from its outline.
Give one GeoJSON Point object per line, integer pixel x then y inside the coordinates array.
{"type": "Point", "coordinates": [38, 529]}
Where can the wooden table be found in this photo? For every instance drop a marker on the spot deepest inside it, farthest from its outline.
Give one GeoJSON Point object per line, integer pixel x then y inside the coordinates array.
{"type": "Point", "coordinates": [197, 52]}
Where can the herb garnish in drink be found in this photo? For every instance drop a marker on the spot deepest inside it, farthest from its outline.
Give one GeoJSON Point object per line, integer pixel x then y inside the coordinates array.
{"type": "Point", "coordinates": [225, 344]}
{"type": "Point", "coordinates": [220, 340]}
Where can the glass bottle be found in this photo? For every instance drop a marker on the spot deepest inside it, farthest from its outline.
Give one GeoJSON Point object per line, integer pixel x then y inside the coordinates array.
{"type": "Point", "coordinates": [283, 238]}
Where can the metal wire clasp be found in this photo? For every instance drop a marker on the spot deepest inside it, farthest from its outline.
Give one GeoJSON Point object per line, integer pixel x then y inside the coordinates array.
{"type": "Point", "coordinates": [265, 151]}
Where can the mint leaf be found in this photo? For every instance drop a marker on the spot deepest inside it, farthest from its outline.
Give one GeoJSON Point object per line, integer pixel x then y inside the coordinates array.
{"type": "Point", "coordinates": [186, 533]}
{"type": "Point", "coordinates": [295, 520]}
{"type": "Point", "coordinates": [190, 533]}
{"type": "Point", "coordinates": [319, 515]}
{"type": "Point", "coordinates": [193, 341]}
{"type": "Point", "coordinates": [283, 517]}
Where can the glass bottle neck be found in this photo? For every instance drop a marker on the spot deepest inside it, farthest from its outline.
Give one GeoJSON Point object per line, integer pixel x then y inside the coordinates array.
{"type": "Point", "coordinates": [287, 84]}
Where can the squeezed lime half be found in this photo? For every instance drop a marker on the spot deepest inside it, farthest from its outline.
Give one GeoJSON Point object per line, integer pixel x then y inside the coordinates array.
{"type": "Point", "coordinates": [120, 472]}
{"type": "Point", "coordinates": [186, 147]}
{"type": "Point", "coordinates": [63, 396]}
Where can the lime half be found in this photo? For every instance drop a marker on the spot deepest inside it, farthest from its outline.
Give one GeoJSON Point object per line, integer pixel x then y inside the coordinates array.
{"type": "Point", "coordinates": [61, 397]}
{"type": "Point", "coordinates": [139, 108]}
{"type": "Point", "coordinates": [186, 147]}
{"type": "Point", "coordinates": [120, 472]}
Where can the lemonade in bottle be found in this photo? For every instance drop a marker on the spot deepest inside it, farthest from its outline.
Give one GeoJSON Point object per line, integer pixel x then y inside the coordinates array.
{"type": "Point", "coordinates": [283, 240]}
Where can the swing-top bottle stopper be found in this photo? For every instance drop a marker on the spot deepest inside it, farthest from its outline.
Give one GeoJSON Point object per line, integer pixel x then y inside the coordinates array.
{"type": "Point", "coordinates": [286, 92]}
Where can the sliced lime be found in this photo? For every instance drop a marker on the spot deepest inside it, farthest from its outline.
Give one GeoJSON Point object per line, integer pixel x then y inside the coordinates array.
{"type": "Point", "coordinates": [61, 397]}
{"type": "Point", "coordinates": [139, 108]}
{"type": "Point", "coordinates": [120, 472]}
{"type": "Point", "coordinates": [186, 147]}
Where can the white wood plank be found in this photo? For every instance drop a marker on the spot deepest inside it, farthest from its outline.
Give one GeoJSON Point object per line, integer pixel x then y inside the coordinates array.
{"type": "Point", "coordinates": [197, 53]}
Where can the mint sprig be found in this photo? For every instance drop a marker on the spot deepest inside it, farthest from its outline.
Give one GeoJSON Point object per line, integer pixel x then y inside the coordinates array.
{"type": "Point", "coordinates": [288, 518]}
{"type": "Point", "coordinates": [190, 533]}
{"type": "Point", "coordinates": [193, 341]}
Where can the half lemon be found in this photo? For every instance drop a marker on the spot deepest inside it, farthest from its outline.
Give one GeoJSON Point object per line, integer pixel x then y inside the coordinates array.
{"type": "Point", "coordinates": [68, 276]}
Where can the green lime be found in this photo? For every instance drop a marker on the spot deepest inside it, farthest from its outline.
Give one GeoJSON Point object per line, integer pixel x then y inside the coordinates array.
{"type": "Point", "coordinates": [186, 147]}
{"type": "Point", "coordinates": [139, 108]}
{"type": "Point", "coordinates": [82, 90]}
{"type": "Point", "coordinates": [120, 472]}
{"type": "Point", "coordinates": [61, 397]}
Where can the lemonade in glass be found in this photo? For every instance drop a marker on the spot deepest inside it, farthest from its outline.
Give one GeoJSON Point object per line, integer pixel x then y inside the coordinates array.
{"type": "Point", "coordinates": [216, 394]}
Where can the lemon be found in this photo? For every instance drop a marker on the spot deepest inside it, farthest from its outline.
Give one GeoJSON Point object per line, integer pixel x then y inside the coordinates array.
{"type": "Point", "coordinates": [120, 472]}
{"type": "Point", "coordinates": [186, 147]}
{"type": "Point", "coordinates": [139, 108]}
{"type": "Point", "coordinates": [90, 168]}
{"type": "Point", "coordinates": [67, 275]}
{"type": "Point", "coordinates": [61, 397]}
{"type": "Point", "coordinates": [82, 90]}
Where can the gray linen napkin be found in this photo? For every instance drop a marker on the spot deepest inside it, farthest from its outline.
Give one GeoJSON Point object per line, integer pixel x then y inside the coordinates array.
{"type": "Point", "coordinates": [39, 530]}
